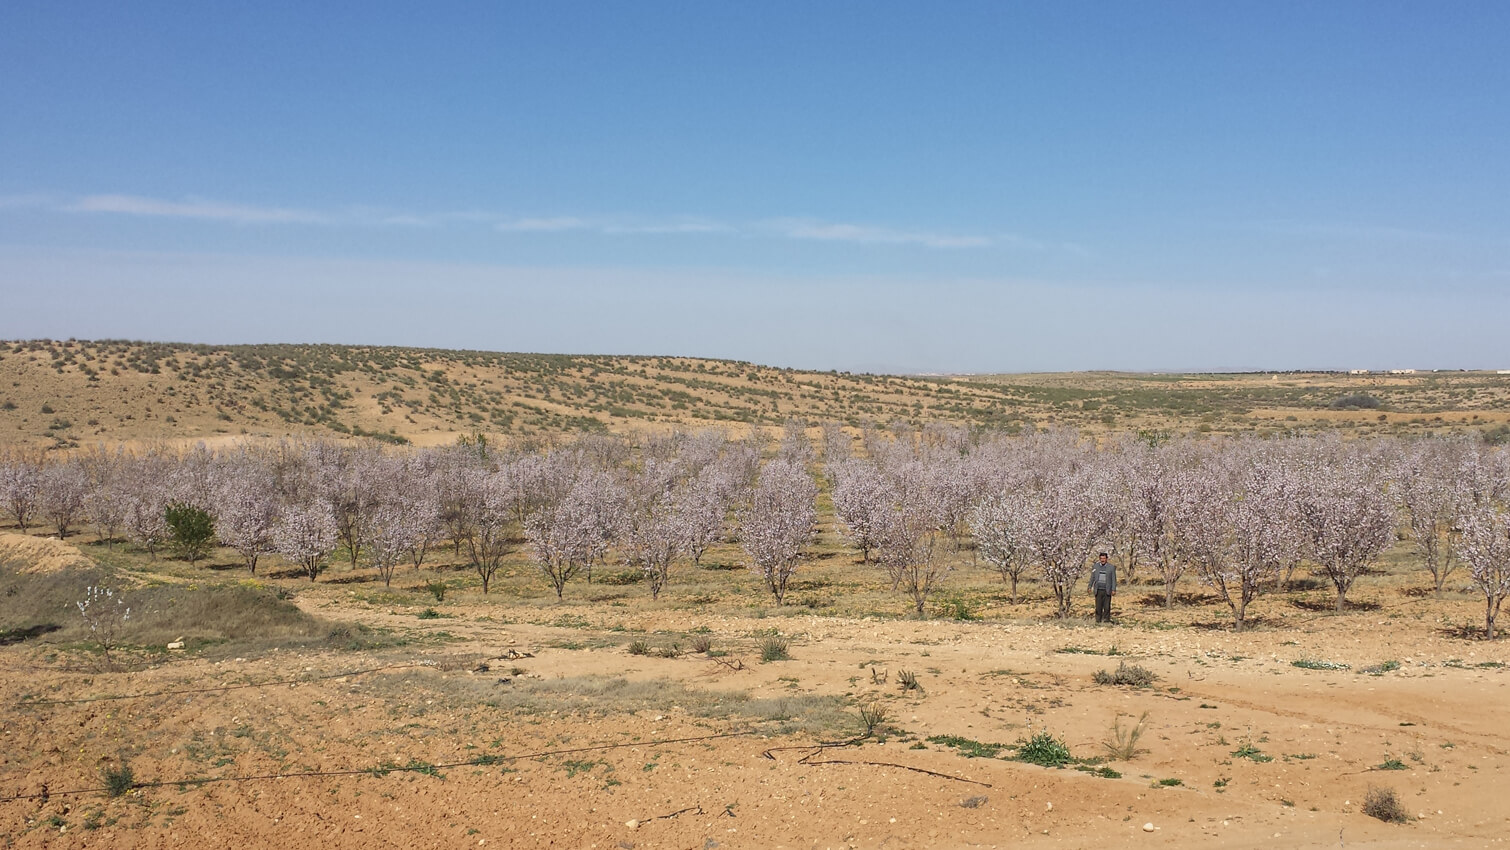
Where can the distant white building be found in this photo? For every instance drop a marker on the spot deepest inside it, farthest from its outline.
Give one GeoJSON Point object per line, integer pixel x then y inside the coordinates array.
{"type": "Point", "coordinates": [1402, 371]}
{"type": "Point", "coordinates": [1503, 372]}
{"type": "Point", "coordinates": [1357, 371]}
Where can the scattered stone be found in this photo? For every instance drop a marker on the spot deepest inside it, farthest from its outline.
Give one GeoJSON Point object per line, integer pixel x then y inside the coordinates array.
{"type": "Point", "coordinates": [1148, 827]}
{"type": "Point", "coordinates": [632, 824]}
{"type": "Point", "coordinates": [971, 803]}
{"type": "Point", "coordinates": [176, 646]}
{"type": "Point", "coordinates": [1048, 807]}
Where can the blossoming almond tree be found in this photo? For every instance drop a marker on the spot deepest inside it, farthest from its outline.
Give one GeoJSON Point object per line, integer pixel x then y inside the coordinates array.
{"type": "Point", "coordinates": [1427, 484]}
{"type": "Point", "coordinates": [20, 487]}
{"type": "Point", "coordinates": [245, 504]}
{"type": "Point", "coordinates": [306, 535]}
{"type": "Point", "coordinates": [1485, 548]}
{"type": "Point", "coordinates": [998, 526]}
{"type": "Point", "coordinates": [1346, 516]}
{"type": "Point", "coordinates": [778, 523]}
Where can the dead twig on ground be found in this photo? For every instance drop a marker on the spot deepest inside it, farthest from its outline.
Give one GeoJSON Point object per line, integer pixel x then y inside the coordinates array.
{"type": "Point", "coordinates": [697, 810]}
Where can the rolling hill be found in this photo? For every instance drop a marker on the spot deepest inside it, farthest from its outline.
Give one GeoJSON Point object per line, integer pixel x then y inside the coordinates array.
{"type": "Point", "coordinates": [60, 394]}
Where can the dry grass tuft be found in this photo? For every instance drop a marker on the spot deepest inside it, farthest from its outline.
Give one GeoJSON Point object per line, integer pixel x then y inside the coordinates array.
{"type": "Point", "coordinates": [1382, 803]}
{"type": "Point", "coordinates": [1121, 743]}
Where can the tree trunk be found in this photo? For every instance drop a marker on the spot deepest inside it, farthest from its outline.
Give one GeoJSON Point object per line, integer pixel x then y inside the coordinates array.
{"type": "Point", "coordinates": [1014, 589]}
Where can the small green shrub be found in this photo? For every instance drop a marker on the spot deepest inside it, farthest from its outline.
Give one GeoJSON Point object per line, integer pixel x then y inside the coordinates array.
{"type": "Point", "coordinates": [1252, 753]}
{"type": "Point", "coordinates": [1045, 750]}
{"type": "Point", "coordinates": [775, 648]}
{"type": "Point", "coordinates": [702, 644]}
{"type": "Point", "coordinates": [191, 529]}
{"type": "Point", "coordinates": [437, 589]}
{"type": "Point", "coordinates": [1317, 664]}
{"type": "Point", "coordinates": [968, 748]}
{"type": "Point", "coordinates": [1356, 401]}
{"type": "Point", "coordinates": [1170, 783]}
{"type": "Point", "coordinates": [639, 647]}
{"type": "Point", "coordinates": [1391, 764]}
{"type": "Point", "coordinates": [118, 780]}
{"type": "Point", "coordinates": [958, 609]}
{"type": "Point", "coordinates": [620, 579]}
{"type": "Point", "coordinates": [907, 679]}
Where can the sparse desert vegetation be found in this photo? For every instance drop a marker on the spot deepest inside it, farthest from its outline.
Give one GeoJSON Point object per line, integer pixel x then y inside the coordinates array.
{"type": "Point", "coordinates": [70, 393]}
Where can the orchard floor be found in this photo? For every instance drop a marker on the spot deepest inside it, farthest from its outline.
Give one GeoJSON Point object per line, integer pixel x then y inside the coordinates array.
{"type": "Point", "coordinates": [569, 740]}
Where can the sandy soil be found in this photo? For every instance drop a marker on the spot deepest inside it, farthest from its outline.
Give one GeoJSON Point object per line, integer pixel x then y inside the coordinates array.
{"type": "Point", "coordinates": [578, 774]}
{"type": "Point", "coordinates": [39, 554]}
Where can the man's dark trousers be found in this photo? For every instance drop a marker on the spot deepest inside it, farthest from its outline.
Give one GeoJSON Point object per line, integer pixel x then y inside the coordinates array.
{"type": "Point", "coordinates": [1103, 607]}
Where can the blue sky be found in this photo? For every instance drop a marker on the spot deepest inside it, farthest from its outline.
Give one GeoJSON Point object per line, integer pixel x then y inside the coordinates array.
{"type": "Point", "coordinates": [863, 186]}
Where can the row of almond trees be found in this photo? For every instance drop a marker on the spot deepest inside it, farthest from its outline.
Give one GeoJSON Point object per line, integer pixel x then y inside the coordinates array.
{"type": "Point", "coordinates": [595, 501]}
{"type": "Point", "coordinates": [1242, 516]}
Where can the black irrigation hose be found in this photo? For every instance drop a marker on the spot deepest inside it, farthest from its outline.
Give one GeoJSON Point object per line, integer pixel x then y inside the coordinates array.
{"type": "Point", "coordinates": [814, 750]}
{"type": "Point", "coordinates": [422, 767]}
{"type": "Point", "coordinates": [218, 688]}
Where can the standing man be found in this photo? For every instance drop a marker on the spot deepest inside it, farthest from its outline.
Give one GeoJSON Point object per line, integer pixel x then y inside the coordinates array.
{"type": "Point", "coordinates": [1104, 585]}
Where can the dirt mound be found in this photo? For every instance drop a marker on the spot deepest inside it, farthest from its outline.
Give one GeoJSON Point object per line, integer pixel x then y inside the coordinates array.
{"type": "Point", "coordinates": [28, 554]}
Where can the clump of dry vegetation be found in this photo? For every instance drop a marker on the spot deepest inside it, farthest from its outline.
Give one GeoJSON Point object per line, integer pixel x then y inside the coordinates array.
{"type": "Point", "coordinates": [1131, 675]}
{"type": "Point", "coordinates": [1382, 803]}
{"type": "Point", "coordinates": [1121, 743]}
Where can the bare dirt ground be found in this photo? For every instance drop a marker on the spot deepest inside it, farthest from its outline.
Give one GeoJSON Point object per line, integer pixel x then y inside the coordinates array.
{"type": "Point", "coordinates": [566, 739]}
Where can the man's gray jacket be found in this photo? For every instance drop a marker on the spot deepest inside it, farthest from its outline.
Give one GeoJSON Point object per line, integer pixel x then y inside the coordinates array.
{"type": "Point", "coordinates": [1104, 578]}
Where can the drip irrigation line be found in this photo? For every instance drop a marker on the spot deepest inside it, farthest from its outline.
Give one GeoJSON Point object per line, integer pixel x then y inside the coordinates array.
{"type": "Point", "coordinates": [814, 750]}
{"type": "Point", "coordinates": [382, 770]}
{"type": "Point", "coordinates": [808, 760]}
{"type": "Point", "coordinates": [220, 688]}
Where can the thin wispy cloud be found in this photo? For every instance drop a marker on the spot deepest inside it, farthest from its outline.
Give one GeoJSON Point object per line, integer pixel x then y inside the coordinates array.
{"type": "Point", "coordinates": [673, 227]}
{"type": "Point", "coordinates": [195, 208]}
{"type": "Point", "coordinates": [786, 228]}
{"type": "Point", "coordinates": [805, 229]}
{"type": "Point", "coordinates": [614, 226]}
{"type": "Point", "coordinates": [829, 231]}
{"type": "Point", "coordinates": [557, 224]}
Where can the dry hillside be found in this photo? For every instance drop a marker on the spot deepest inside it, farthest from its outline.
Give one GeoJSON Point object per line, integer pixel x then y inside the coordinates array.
{"type": "Point", "coordinates": [62, 394]}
